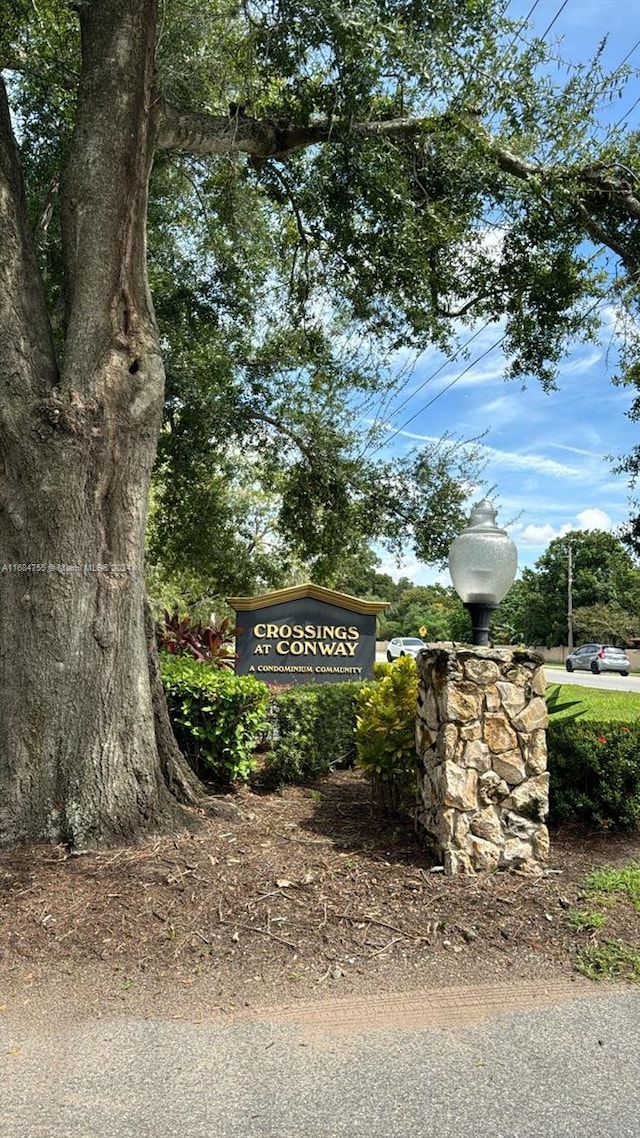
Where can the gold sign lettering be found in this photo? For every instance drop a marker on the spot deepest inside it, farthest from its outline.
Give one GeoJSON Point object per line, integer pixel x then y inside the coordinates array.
{"type": "Point", "coordinates": [306, 632]}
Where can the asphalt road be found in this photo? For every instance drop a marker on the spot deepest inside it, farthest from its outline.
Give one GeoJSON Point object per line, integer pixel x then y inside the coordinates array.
{"type": "Point", "coordinates": [608, 681]}
{"type": "Point", "coordinates": [566, 1070]}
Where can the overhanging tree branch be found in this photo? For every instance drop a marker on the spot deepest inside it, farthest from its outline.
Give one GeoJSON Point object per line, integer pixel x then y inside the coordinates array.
{"type": "Point", "coordinates": [595, 179]}
{"type": "Point", "coordinates": [237, 133]}
{"type": "Point", "coordinates": [605, 238]}
{"type": "Point", "coordinates": [282, 429]}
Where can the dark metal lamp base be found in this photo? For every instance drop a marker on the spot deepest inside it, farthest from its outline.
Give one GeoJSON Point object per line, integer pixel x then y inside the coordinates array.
{"type": "Point", "coordinates": [480, 620]}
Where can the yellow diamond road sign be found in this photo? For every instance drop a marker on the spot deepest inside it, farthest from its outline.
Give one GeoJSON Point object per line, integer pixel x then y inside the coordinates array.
{"type": "Point", "coordinates": [422, 631]}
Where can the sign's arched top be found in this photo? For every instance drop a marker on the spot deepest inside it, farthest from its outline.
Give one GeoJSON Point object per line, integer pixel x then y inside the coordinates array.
{"type": "Point", "coordinates": [306, 633]}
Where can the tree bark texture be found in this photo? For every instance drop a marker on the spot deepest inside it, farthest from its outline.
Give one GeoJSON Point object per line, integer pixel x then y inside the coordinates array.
{"type": "Point", "coordinates": [79, 754]}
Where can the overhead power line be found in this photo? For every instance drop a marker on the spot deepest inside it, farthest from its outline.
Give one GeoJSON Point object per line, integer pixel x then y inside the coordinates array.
{"type": "Point", "coordinates": [443, 391]}
{"type": "Point", "coordinates": [549, 26]}
{"type": "Point", "coordinates": [497, 343]}
{"type": "Point", "coordinates": [421, 386]}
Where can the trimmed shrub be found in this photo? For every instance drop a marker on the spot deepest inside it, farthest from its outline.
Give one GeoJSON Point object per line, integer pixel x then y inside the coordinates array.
{"type": "Point", "coordinates": [386, 736]}
{"type": "Point", "coordinates": [314, 731]}
{"type": "Point", "coordinates": [594, 773]}
{"type": "Point", "coordinates": [218, 718]}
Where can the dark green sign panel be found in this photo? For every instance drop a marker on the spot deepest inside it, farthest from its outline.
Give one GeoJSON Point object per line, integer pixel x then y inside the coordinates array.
{"type": "Point", "coordinates": [305, 634]}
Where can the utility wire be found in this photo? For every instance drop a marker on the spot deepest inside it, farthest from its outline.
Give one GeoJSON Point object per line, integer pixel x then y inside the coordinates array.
{"type": "Point", "coordinates": [446, 363]}
{"type": "Point", "coordinates": [443, 390]}
{"type": "Point", "coordinates": [385, 404]}
{"type": "Point", "coordinates": [457, 378]}
{"type": "Point", "coordinates": [497, 343]}
{"type": "Point", "coordinates": [549, 26]}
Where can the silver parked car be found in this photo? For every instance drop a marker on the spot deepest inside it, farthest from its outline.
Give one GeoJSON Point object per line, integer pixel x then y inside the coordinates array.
{"type": "Point", "coordinates": [404, 646]}
{"type": "Point", "coordinates": [599, 658]}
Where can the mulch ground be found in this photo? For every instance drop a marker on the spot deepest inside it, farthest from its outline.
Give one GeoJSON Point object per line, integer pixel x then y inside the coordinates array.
{"type": "Point", "coordinates": [311, 891]}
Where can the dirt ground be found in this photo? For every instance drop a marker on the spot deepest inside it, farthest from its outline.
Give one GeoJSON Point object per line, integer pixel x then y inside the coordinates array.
{"type": "Point", "coordinates": [312, 892]}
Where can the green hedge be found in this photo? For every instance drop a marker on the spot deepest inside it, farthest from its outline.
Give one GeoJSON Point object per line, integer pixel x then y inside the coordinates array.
{"type": "Point", "coordinates": [594, 771]}
{"type": "Point", "coordinates": [314, 730]}
{"type": "Point", "coordinates": [218, 718]}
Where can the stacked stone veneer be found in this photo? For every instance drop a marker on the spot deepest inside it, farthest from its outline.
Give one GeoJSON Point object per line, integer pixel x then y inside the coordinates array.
{"type": "Point", "coordinates": [483, 789]}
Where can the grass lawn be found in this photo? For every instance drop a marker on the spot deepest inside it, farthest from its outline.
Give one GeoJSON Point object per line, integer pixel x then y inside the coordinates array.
{"type": "Point", "coordinates": [596, 704]}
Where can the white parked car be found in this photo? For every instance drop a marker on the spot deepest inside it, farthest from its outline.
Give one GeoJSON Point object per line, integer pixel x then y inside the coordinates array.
{"type": "Point", "coordinates": [404, 646]}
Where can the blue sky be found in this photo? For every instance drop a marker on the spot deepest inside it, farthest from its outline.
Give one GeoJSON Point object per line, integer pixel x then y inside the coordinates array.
{"type": "Point", "coordinates": [547, 454]}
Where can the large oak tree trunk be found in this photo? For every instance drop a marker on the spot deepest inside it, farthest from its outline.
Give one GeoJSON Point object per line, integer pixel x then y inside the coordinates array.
{"type": "Point", "coordinates": [80, 722]}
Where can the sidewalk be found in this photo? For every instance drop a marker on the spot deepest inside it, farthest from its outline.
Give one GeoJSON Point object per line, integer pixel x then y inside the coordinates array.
{"type": "Point", "coordinates": [509, 1061]}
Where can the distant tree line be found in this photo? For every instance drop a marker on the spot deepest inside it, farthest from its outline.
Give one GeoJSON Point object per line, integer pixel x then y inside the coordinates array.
{"type": "Point", "coordinates": [605, 595]}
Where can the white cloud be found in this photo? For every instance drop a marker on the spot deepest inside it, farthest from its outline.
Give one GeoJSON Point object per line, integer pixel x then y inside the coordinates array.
{"type": "Point", "coordinates": [541, 535]}
{"type": "Point", "coordinates": [539, 463]}
{"type": "Point", "coordinates": [414, 569]}
{"type": "Point", "coordinates": [580, 364]}
{"type": "Point", "coordinates": [572, 450]}
{"type": "Point", "coordinates": [475, 377]}
{"type": "Point", "coordinates": [503, 407]}
{"type": "Point", "coordinates": [594, 518]}
{"type": "Point", "coordinates": [415, 435]}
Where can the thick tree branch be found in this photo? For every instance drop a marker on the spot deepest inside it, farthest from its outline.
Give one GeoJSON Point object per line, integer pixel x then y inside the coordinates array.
{"type": "Point", "coordinates": [456, 313]}
{"type": "Point", "coordinates": [27, 356]}
{"type": "Point", "coordinates": [614, 187]}
{"type": "Point", "coordinates": [508, 161]}
{"type": "Point", "coordinates": [265, 138]}
{"type": "Point", "coordinates": [605, 238]}
{"type": "Point", "coordinates": [594, 178]}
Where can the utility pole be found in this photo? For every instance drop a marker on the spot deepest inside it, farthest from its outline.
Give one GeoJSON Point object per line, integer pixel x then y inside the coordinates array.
{"type": "Point", "coordinates": [570, 596]}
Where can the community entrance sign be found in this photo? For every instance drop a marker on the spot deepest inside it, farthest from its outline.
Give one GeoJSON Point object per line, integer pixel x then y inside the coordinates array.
{"type": "Point", "coordinates": [305, 633]}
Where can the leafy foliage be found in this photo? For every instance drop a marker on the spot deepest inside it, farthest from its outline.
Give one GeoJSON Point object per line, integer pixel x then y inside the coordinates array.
{"type": "Point", "coordinates": [595, 773]}
{"type": "Point", "coordinates": [218, 718]}
{"type": "Point", "coordinates": [362, 181]}
{"type": "Point", "coordinates": [557, 706]}
{"type": "Point", "coordinates": [434, 607]}
{"type": "Point", "coordinates": [386, 747]}
{"type": "Point", "coordinates": [212, 644]}
{"type": "Point", "coordinates": [606, 592]}
{"type": "Point", "coordinates": [285, 285]}
{"type": "Point", "coordinates": [314, 731]}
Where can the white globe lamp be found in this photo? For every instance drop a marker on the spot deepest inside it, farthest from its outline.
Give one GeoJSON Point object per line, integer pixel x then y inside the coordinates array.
{"type": "Point", "coordinates": [482, 562]}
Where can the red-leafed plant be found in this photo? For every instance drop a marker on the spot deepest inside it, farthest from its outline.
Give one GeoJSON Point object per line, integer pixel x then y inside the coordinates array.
{"type": "Point", "coordinates": [211, 644]}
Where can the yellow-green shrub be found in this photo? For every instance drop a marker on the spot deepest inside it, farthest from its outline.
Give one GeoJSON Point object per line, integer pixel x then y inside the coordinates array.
{"type": "Point", "coordinates": [385, 738]}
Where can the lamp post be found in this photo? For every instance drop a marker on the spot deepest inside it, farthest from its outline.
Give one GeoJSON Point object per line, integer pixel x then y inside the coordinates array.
{"type": "Point", "coordinates": [482, 563]}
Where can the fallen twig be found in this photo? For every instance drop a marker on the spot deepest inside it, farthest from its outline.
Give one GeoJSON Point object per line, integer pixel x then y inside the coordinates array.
{"type": "Point", "coordinates": [263, 932]}
{"type": "Point", "coordinates": [386, 946]}
{"type": "Point", "coordinates": [383, 924]}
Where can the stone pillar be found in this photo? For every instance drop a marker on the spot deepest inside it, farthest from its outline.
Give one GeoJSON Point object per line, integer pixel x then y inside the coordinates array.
{"type": "Point", "coordinates": [483, 788]}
